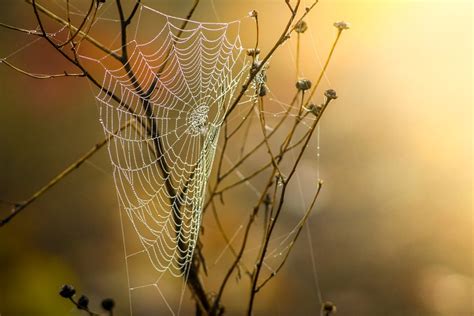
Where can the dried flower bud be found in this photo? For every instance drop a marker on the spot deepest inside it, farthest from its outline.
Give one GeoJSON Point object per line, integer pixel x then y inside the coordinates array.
{"type": "Point", "coordinates": [341, 25]}
{"type": "Point", "coordinates": [108, 304]}
{"type": "Point", "coordinates": [328, 308]}
{"type": "Point", "coordinates": [330, 94]}
{"type": "Point", "coordinates": [303, 84]}
{"type": "Point", "coordinates": [314, 109]}
{"type": "Point", "coordinates": [253, 14]}
{"type": "Point", "coordinates": [67, 291]}
{"type": "Point", "coordinates": [301, 27]}
{"type": "Point", "coordinates": [253, 52]}
{"type": "Point", "coordinates": [83, 302]}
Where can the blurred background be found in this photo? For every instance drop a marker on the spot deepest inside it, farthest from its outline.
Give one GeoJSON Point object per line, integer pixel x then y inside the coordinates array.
{"type": "Point", "coordinates": [392, 232]}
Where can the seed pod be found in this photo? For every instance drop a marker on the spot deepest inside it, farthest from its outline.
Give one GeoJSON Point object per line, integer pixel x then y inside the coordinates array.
{"type": "Point", "coordinates": [253, 52]}
{"type": "Point", "coordinates": [303, 84]}
{"type": "Point", "coordinates": [108, 304]}
{"type": "Point", "coordinates": [315, 109]}
{"type": "Point", "coordinates": [67, 291]}
{"type": "Point", "coordinates": [253, 14]}
{"type": "Point", "coordinates": [83, 302]}
{"type": "Point", "coordinates": [301, 27]}
{"type": "Point", "coordinates": [328, 308]}
{"type": "Point", "coordinates": [330, 94]}
{"type": "Point", "coordinates": [341, 25]}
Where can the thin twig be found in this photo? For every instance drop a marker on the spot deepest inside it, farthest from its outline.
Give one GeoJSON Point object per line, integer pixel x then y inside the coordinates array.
{"type": "Point", "coordinates": [19, 29]}
{"type": "Point", "coordinates": [243, 245]}
{"type": "Point", "coordinates": [272, 224]}
{"type": "Point", "coordinates": [283, 37]}
{"type": "Point", "coordinates": [298, 39]}
{"type": "Point", "coordinates": [326, 64]}
{"type": "Point", "coordinates": [265, 137]}
{"type": "Point", "coordinates": [90, 39]}
{"type": "Point", "coordinates": [93, 4]}
{"type": "Point", "coordinates": [298, 231]}
{"type": "Point", "coordinates": [60, 176]}
{"type": "Point", "coordinates": [40, 76]}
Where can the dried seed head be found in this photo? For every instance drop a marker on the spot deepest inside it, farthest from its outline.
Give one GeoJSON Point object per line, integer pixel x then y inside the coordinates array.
{"type": "Point", "coordinates": [253, 52]}
{"type": "Point", "coordinates": [330, 94]}
{"type": "Point", "coordinates": [67, 291]}
{"type": "Point", "coordinates": [83, 302]}
{"type": "Point", "coordinates": [253, 14]}
{"type": "Point", "coordinates": [341, 25]}
{"type": "Point", "coordinates": [108, 304]}
{"type": "Point", "coordinates": [301, 27]}
{"type": "Point", "coordinates": [314, 109]}
{"type": "Point", "coordinates": [311, 107]}
{"type": "Point", "coordinates": [328, 308]}
{"type": "Point", "coordinates": [303, 84]}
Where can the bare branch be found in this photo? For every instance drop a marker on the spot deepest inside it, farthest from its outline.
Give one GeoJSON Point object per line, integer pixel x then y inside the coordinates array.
{"type": "Point", "coordinates": [277, 212]}
{"type": "Point", "coordinates": [84, 20]}
{"type": "Point", "coordinates": [19, 29]}
{"type": "Point", "coordinates": [19, 207]}
{"type": "Point", "coordinates": [40, 76]}
{"type": "Point", "coordinates": [298, 231]}
{"type": "Point", "coordinates": [90, 39]}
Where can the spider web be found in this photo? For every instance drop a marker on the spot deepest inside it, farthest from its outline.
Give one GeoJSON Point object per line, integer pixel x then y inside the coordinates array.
{"type": "Point", "coordinates": [175, 90]}
{"type": "Point", "coordinates": [188, 78]}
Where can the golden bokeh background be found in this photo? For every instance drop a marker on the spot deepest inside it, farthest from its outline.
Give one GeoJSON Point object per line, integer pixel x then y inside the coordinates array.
{"type": "Point", "coordinates": [392, 233]}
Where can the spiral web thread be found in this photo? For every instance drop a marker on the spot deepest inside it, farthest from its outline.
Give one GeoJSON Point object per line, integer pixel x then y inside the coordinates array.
{"type": "Point", "coordinates": [176, 90]}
